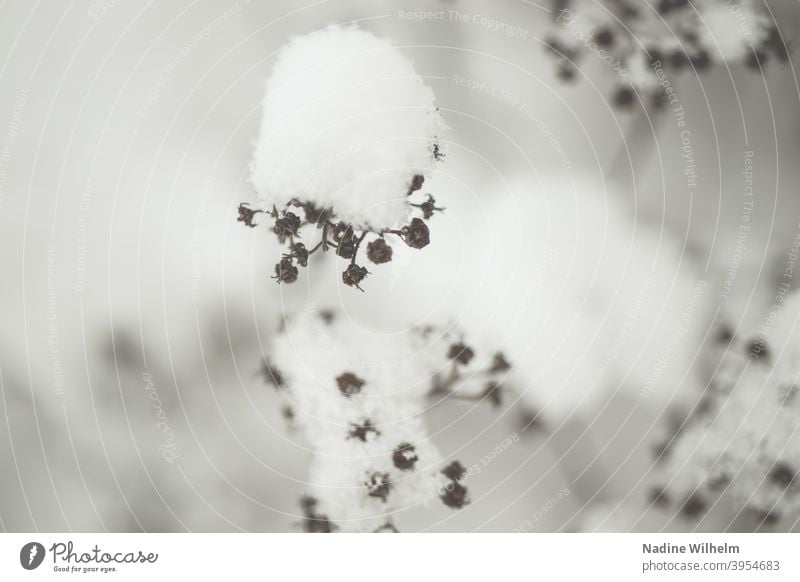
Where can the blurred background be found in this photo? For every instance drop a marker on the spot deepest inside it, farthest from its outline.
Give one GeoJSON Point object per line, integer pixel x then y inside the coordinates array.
{"type": "Point", "coordinates": [136, 311]}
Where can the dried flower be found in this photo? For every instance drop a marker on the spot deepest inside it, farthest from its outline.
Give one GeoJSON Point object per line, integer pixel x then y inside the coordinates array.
{"type": "Point", "coordinates": [455, 495]}
{"type": "Point", "coordinates": [363, 431]}
{"type": "Point", "coordinates": [349, 384]}
{"type": "Point", "coordinates": [454, 471]}
{"type": "Point", "coordinates": [359, 492]}
{"type": "Point", "coordinates": [416, 183]}
{"type": "Point", "coordinates": [405, 457]}
{"type": "Point", "coordinates": [286, 226]}
{"type": "Point", "coordinates": [378, 485]}
{"type": "Point", "coordinates": [417, 234]}
{"type": "Point", "coordinates": [460, 353]}
{"type": "Point", "coordinates": [499, 363]}
{"type": "Point", "coordinates": [285, 272]}
{"type": "Point", "coordinates": [353, 275]}
{"type": "Point", "coordinates": [246, 214]}
{"type": "Point", "coordinates": [300, 253]}
{"type": "Point", "coordinates": [339, 176]}
{"type": "Point", "coordinates": [379, 252]}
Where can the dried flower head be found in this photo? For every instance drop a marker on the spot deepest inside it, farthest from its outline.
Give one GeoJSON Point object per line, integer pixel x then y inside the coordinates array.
{"type": "Point", "coordinates": [348, 128]}
{"type": "Point", "coordinates": [373, 455]}
{"type": "Point", "coordinates": [379, 252]}
{"type": "Point", "coordinates": [744, 443]}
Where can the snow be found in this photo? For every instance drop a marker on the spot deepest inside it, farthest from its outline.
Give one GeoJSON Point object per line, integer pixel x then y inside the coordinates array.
{"type": "Point", "coordinates": [347, 123]}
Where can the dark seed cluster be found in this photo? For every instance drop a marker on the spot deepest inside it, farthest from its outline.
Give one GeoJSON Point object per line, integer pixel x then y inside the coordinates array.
{"type": "Point", "coordinates": [314, 522]}
{"type": "Point", "coordinates": [349, 384]}
{"type": "Point", "coordinates": [628, 35]}
{"type": "Point", "coordinates": [454, 494]}
{"type": "Point", "coordinates": [344, 239]}
{"type": "Point", "coordinates": [460, 355]}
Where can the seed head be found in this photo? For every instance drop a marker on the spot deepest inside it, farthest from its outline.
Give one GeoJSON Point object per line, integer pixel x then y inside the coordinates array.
{"type": "Point", "coordinates": [460, 353]}
{"type": "Point", "coordinates": [246, 214]}
{"type": "Point", "coordinates": [353, 275]}
{"type": "Point", "coordinates": [454, 471]}
{"type": "Point", "coordinates": [300, 252]}
{"type": "Point", "coordinates": [405, 457]}
{"type": "Point", "coordinates": [349, 384]}
{"type": "Point", "coordinates": [379, 252]}
{"type": "Point", "coordinates": [378, 485]}
{"type": "Point", "coordinates": [416, 183]}
{"type": "Point", "coordinates": [286, 226]}
{"type": "Point", "coordinates": [285, 272]}
{"type": "Point", "coordinates": [454, 495]}
{"type": "Point", "coordinates": [417, 234]}
{"type": "Point", "coordinates": [363, 431]}
{"type": "Point", "coordinates": [347, 245]}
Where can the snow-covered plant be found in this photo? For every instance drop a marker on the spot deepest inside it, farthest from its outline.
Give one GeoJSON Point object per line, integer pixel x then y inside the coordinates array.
{"type": "Point", "coordinates": [641, 40]}
{"type": "Point", "coordinates": [349, 132]}
{"type": "Point", "coordinates": [743, 440]}
{"type": "Point", "coordinates": [358, 397]}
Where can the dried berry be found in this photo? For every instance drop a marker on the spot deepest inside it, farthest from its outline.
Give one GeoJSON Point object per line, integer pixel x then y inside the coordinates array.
{"type": "Point", "coordinates": [378, 485]}
{"type": "Point", "coordinates": [347, 246]}
{"type": "Point", "coordinates": [428, 207]}
{"type": "Point", "coordinates": [349, 384]}
{"type": "Point", "coordinates": [285, 272]}
{"type": "Point", "coordinates": [416, 183]}
{"type": "Point", "coordinates": [694, 506]}
{"type": "Point", "coordinates": [565, 72]}
{"type": "Point", "coordinates": [436, 151]}
{"type": "Point", "coordinates": [299, 252]}
{"type": "Point", "coordinates": [271, 374]}
{"type": "Point", "coordinates": [460, 353]}
{"type": "Point", "coordinates": [286, 226]}
{"type": "Point", "coordinates": [327, 316]}
{"type": "Point", "coordinates": [724, 334]}
{"type": "Point", "coordinates": [246, 214]}
{"type": "Point", "coordinates": [454, 471]}
{"type": "Point", "coordinates": [353, 275]}
{"type": "Point", "coordinates": [405, 457]}
{"type": "Point", "coordinates": [363, 431]}
{"type": "Point", "coordinates": [654, 55]}
{"type": "Point", "coordinates": [379, 252]}
{"type": "Point", "coordinates": [604, 37]}
{"type": "Point", "coordinates": [624, 96]}
{"type": "Point", "coordinates": [757, 349]}
{"type": "Point", "coordinates": [454, 495]}
{"type": "Point", "coordinates": [782, 475]}
{"type": "Point", "coordinates": [499, 363]}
